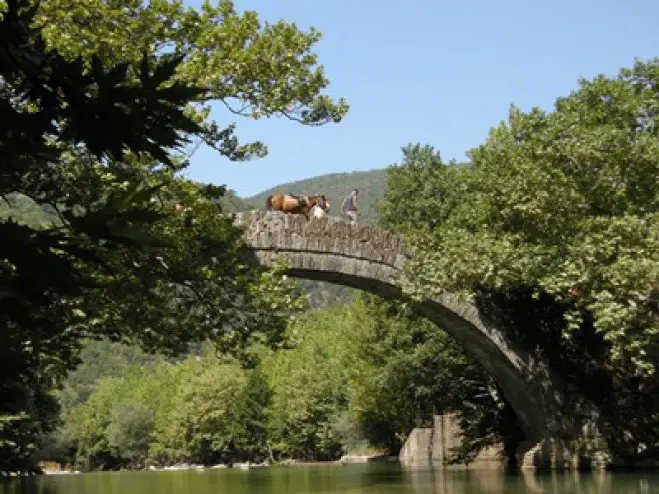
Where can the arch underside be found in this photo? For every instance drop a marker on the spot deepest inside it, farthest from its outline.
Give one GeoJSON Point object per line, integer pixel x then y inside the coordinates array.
{"type": "Point", "coordinates": [510, 368]}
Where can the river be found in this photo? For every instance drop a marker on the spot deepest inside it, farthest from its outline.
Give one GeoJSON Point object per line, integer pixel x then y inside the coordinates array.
{"type": "Point", "coordinates": [353, 479]}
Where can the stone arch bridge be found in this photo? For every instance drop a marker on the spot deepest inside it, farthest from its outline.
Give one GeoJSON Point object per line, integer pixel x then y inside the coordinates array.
{"type": "Point", "coordinates": [372, 259]}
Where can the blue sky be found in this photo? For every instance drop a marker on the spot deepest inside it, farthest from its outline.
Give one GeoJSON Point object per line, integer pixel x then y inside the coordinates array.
{"type": "Point", "coordinates": [432, 71]}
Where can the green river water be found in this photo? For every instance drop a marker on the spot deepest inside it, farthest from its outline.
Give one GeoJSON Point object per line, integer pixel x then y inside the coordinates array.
{"type": "Point", "coordinates": [353, 479]}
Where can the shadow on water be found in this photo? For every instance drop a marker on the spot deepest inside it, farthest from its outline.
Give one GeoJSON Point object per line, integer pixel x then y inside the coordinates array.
{"type": "Point", "coordinates": [353, 479]}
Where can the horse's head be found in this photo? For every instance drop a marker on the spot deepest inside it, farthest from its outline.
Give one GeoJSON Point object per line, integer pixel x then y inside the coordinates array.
{"type": "Point", "coordinates": [320, 201]}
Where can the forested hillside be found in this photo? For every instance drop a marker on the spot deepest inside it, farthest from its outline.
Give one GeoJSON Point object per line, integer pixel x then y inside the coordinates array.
{"type": "Point", "coordinates": [371, 184]}
{"type": "Point", "coordinates": [231, 203]}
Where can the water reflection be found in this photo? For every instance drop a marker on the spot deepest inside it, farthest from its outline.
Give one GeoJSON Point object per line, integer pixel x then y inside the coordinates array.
{"type": "Point", "coordinates": [356, 479]}
{"type": "Point", "coordinates": [439, 481]}
{"type": "Point", "coordinates": [27, 486]}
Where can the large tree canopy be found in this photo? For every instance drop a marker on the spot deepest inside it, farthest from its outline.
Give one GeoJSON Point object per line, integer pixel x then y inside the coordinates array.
{"type": "Point", "coordinates": [555, 226]}
{"type": "Point", "coordinates": [99, 102]}
{"type": "Point", "coordinates": [565, 201]}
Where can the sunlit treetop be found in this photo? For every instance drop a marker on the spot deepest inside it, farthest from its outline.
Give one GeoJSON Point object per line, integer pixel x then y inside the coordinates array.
{"type": "Point", "coordinates": [564, 202]}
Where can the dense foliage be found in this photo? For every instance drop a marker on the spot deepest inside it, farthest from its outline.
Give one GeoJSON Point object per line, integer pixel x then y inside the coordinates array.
{"type": "Point", "coordinates": [99, 100]}
{"type": "Point", "coordinates": [557, 217]}
{"type": "Point", "coordinates": [358, 379]}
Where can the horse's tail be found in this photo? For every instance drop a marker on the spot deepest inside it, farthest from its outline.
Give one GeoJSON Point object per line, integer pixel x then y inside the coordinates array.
{"type": "Point", "coordinates": [268, 203]}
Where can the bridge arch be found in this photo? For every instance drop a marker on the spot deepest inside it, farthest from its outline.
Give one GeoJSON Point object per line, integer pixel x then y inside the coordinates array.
{"type": "Point", "coordinates": [372, 259]}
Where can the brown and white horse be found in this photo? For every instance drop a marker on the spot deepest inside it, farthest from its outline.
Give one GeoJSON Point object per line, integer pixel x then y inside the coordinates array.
{"type": "Point", "coordinates": [289, 203]}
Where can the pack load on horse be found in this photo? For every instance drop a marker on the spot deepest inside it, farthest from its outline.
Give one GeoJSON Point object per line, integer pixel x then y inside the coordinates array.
{"type": "Point", "coordinates": [318, 212]}
{"type": "Point", "coordinates": [305, 205]}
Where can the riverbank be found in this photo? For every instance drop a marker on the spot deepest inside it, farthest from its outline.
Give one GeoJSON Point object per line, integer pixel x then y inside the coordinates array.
{"type": "Point", "coordinates": [51, 468]}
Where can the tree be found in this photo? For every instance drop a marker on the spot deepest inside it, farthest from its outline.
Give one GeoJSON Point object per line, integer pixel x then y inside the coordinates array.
{"type": "Point", "coordinates": [558, 216]}
{"type": "Point", "coordinates": [129, 431]}
{"type": "Point", "coordinates": [411, 370]}
{"type": "Point", "coordinates": [99, 100]}
{"type": "Point", "coordinates": [435, 187]}
{"type": "Point", "coordinates": [204, 425]}
{"type": "Point", "coordinates": [252, 418]}
{"type": "Point", "coordinates": [28, 412]}
{"type": "Point", "coordinates": [88, 424]}
{"type": "Point", "coordinates": [310, 383]}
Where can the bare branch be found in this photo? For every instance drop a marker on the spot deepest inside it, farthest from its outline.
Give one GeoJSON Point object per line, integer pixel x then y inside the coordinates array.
{"type": "Point", "coordinates": [234, 111]}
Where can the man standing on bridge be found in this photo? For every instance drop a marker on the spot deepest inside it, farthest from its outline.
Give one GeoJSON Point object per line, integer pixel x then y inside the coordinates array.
{"type": "Point", "coordinates": [350, 206]}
